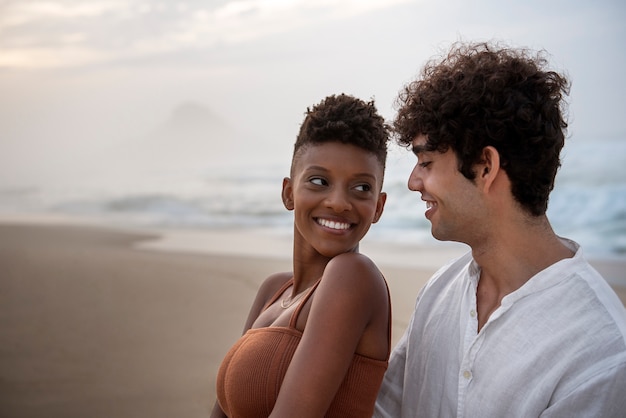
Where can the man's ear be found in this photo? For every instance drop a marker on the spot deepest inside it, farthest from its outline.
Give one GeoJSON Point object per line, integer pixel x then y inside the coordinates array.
{"type": "Point", "coordinates": [380, 205]}
{"type": "Point", "coordinates": [489, 167]}
{"type": "Point", "coordinates": [287, 194]}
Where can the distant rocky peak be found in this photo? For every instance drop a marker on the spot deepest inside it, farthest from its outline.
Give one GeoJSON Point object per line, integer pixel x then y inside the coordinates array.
{"type": "Point", "coordinates": [192, 114]}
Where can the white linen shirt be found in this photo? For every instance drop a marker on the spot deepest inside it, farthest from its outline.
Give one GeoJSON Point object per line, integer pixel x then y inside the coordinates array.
{"type": "Point", "coordinates": [556, 347]}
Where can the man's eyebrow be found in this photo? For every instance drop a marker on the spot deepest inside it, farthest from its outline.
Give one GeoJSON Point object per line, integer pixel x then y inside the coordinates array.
{"type": "Point", "coordinates": [419, 149]}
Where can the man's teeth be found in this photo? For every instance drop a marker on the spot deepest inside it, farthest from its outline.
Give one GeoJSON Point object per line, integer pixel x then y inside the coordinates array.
{"type": "Point", "coordinates": [333, 224]}
{"type": "Point", "coordinates": [430, 205]}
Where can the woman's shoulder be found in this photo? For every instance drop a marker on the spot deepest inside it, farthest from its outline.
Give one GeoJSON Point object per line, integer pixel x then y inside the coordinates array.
{"type": "Point", "coordinates": [353, 269]}
{"type": "Point", "coordinates": [354, 262]}
{"type": "Point", "coordinates": [273, 283]}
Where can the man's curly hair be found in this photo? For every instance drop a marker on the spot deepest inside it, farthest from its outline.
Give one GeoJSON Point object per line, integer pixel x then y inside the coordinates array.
{"type": "Point", "coordinates": [346, 119]}
{"type": "Point", "coordinates": [482, 95]}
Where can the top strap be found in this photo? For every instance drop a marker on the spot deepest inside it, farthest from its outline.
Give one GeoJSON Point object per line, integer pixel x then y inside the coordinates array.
{"type": "Point", "coordinates": [390, 324]}
{"type": "Point", "coordinates": [294, 317]}
{"type": "Point", "coordinates": [280, 291]}
{"type": "Point", "coordinates": [296, 313]}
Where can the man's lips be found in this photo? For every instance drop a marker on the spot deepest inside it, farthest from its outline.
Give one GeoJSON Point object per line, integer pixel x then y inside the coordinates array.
{"type": "Point", "coordinates": [430, 207]}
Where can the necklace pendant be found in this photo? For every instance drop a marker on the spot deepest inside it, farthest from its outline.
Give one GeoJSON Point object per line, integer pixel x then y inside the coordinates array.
{"type": "Point", "coordinates": [287, 302]}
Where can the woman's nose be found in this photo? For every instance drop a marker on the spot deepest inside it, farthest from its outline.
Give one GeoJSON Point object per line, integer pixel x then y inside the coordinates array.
{"type": "Point", "coordinates": [338, 201]}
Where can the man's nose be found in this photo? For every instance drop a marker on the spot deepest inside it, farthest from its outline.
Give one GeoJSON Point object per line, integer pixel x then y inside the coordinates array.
{"type": "Point", "coordinates": [415, 182]}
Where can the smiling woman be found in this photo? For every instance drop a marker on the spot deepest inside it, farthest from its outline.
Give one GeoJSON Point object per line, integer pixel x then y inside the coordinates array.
{"type": "Point", "coordinates": [337, 187]}
{"type": "Point", "coordinates": [321, 334]}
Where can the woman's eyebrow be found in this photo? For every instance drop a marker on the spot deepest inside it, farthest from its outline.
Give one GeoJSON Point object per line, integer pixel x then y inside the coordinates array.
{"type": "Point", "coordinates": [324, 169]}
{"type": "Point", "coordinates": [315, 168]}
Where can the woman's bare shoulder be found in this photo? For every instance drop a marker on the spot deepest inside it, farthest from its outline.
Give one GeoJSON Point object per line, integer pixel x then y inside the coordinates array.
{"type": "Point", "coordinates": [354, 273]}
{"type": "Point", "coordinates": [273, 283]}
{"type": "Point", "coordinates": [355, 264]}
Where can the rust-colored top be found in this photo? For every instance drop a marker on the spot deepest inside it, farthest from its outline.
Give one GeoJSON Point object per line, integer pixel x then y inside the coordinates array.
{"type": "Point", "coordinates": [252, 372]}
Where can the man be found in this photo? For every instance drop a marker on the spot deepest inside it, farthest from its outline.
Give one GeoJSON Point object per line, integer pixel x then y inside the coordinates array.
{"type": "Point", "coordinates": [522, 326]}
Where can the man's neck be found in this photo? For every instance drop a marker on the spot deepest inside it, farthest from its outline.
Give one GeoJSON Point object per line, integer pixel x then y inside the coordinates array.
{"type": "Point", "coordinates": [510, 258]}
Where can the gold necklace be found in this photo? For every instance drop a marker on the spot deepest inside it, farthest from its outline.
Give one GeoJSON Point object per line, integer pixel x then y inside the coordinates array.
{"type": "Point", "coordinates": [291, 301]}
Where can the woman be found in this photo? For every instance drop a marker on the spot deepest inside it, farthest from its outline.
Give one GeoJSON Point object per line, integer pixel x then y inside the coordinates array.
{"type": "Point", "coordinates": [317, 340]}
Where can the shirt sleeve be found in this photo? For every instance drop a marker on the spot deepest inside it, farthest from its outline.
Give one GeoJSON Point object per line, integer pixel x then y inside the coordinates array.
{"type": "Point", "coordinates": [389, 400]}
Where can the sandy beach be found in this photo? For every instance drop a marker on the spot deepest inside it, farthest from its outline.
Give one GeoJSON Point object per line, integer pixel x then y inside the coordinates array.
{"type": "Point", "coordinates": [110, 322]}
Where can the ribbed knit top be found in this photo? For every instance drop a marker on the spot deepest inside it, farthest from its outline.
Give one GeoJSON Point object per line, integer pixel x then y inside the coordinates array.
{"type": "Point", "coordinates": [252, 372]}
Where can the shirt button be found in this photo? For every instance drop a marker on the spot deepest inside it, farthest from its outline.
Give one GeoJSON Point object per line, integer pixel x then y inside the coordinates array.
{"type": "Point", "coordinates": [467, 374]}
{"type": "Point", "coordinates": [473, 313]}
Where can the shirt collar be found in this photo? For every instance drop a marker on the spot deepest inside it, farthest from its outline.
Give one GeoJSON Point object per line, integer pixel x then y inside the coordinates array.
{"type": "Point", "coordinates": [551, 275]}
{"type": "Point", "coordinates": [548, 277]}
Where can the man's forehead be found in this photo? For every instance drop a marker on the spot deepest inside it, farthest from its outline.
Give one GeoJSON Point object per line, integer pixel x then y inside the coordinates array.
{"type": "Point", "coordinates": [418, 145]}
{"type": "Point", "coordinates": [420, 139]}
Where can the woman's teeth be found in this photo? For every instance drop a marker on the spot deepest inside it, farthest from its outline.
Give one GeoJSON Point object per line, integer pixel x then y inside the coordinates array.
{"type": "Point", "coordinates": [332, 224]}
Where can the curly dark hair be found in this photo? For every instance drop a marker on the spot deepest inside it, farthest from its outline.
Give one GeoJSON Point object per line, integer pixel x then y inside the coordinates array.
{"type": "Point", "coordinates": [346, 119]}
{"type": "Point", "coordinates": [481, 95]}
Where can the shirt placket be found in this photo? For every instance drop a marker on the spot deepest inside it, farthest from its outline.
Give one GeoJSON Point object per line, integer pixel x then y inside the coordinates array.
{"type": "Point", "coordinates": [471, 343]}
{"type": "Point", "coordinates": [471, 346]}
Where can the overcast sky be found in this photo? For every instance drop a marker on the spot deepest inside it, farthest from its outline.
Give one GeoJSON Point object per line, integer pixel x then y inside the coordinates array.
{"type": "Point", "coordinates": [78, 75]}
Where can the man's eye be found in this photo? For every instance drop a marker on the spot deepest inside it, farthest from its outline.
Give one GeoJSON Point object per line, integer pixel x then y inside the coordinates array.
{"type": "Point", "coordinates": [318, 181]}
{"type": "Point", "coordinates": [363, 187]}
{"type": "Point", "coordinates": [424, 164]}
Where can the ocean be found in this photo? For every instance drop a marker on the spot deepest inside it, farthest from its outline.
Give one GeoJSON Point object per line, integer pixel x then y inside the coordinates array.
{"type": "Point", "coordinates": [588, 203]}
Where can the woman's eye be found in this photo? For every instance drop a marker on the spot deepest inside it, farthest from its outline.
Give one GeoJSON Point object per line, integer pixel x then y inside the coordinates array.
{"type": "Point", "coordinates": [364, 187]}
{"type": "Point", "coordinates": [424, 164]}
{"type": "Point", "coordinates": [318, 181]}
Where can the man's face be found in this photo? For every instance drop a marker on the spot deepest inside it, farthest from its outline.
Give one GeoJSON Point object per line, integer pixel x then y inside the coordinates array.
{"type": "Point", "coordinates": [453, 202]}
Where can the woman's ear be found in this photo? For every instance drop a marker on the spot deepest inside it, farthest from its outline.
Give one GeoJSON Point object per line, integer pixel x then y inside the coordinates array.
{"type": "Point", "coordinates": [287, 194]}
{"type": "Point", "coordinates": [380, 206]}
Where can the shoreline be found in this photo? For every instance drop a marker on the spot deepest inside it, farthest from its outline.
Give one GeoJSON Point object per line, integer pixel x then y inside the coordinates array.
{"type": "Point", "coordinates": [409, 265]}
{"type": "Point", "coordinates": [265, 242]}
{"type": "Point", "coordinates": [237, 241]}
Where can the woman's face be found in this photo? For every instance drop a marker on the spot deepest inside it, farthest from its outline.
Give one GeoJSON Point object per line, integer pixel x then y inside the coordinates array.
{"type": "Point", "coordinates": [335, 195]}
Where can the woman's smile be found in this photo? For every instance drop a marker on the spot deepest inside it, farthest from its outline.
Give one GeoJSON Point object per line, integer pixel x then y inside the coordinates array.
{"type": "Point", "coordinates": [336, 225]}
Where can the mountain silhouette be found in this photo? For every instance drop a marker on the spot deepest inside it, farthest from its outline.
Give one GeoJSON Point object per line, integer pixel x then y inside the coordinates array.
{"type": "Point", "coordinates": [192, 138]}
